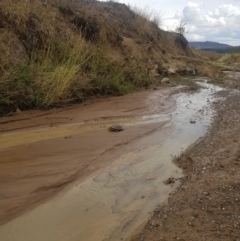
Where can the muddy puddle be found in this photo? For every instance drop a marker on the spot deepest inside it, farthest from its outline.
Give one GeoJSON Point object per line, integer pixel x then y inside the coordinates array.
{"type": "Point", "coordinates": [115, 200]}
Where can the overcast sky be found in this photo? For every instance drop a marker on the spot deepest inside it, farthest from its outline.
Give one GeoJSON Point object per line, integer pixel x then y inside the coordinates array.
{"type": "Point", "coordinates": [206, 20]}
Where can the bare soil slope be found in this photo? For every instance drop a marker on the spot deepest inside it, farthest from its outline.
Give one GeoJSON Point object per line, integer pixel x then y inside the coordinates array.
{"type": "Point", "coordinates": [56, 52]}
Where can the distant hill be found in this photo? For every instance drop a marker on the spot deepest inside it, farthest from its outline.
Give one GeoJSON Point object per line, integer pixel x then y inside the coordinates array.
{"type": "Point", "coordinates": [209, 45]}
{"type": "Point", "coordinates": [214, 46]}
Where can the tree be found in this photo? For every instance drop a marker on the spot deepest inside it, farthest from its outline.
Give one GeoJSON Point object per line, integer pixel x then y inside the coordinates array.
{"type": "Point", "coordinates": [180, 28]}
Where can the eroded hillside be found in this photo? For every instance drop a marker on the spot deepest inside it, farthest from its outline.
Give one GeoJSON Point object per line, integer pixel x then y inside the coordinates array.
{"type": "Point", "coordinates": [56, 52]}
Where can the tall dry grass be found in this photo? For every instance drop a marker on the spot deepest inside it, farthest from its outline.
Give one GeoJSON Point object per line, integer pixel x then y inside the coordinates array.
{"type": "Point", "coordinates": [58, 64]}
{"type": "Point", "coordinates": [230, 59]}
{"type": "Point", "coordinates": [144, 17]}
{"type": "Point", "coordinates": [58, 73]}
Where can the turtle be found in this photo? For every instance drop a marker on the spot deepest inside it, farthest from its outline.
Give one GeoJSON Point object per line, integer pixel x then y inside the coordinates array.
{"type": "Point", "coordinates": [115, 128]}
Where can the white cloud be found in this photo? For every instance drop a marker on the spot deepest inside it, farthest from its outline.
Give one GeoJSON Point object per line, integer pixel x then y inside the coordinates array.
{"type": "Point", "coordinates": [179, 15]}
{"type": "Point", "coordinates": [213, 20]}
{"type": "Point", "coordinates": [193, 5]}
{"type": "Point", "coordinates": [219, 24]}
{"type": "Point", "coordinates": [192, 13]}
{"type": "Point", "coordinates": [196, 37]}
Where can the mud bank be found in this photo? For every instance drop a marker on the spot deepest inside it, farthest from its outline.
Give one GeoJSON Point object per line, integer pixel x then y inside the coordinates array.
{"type": "Point", "coordinates": [115, 179]}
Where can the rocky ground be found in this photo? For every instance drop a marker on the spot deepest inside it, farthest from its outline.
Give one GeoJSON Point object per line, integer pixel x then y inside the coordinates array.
{"type": "Point", "coordinates": [206, 205]}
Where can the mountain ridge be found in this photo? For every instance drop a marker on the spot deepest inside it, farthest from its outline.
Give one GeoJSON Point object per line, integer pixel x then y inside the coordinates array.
{"type": "Point", "coordinates": [211, 45]}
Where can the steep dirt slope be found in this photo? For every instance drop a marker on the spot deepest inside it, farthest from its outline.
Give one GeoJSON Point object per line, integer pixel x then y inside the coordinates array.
{"type": "Point", "coordinates": [55, 52]}
{"type": "Point", "coordinates": [131, 38]}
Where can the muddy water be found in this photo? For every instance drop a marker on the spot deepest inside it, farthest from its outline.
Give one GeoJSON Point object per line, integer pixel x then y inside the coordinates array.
{"type": "Point", "coordinates": [112, 202]}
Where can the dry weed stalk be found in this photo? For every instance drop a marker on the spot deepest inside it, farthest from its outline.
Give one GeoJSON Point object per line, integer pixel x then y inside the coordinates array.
{"type": "Point", "coordinates": [144, 17]}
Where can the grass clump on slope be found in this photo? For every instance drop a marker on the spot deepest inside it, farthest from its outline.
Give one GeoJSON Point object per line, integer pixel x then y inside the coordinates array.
{"type": "Point", "coordinates": [46, 62]}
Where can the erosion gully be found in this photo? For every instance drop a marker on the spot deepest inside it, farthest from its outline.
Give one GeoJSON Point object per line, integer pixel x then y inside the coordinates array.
{"type": "Point", "coordinates": [115, 198]}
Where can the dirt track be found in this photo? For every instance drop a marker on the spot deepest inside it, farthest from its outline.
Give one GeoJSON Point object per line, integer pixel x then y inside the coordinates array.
{"type": "Point", "coordinates": [206, 204]}
{"type": "Point", "coordinates": [43, 152]}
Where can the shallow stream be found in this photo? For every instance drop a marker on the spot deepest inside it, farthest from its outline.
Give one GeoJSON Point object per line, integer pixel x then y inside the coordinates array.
{"type": "Point", "coordinates": [113, 202]}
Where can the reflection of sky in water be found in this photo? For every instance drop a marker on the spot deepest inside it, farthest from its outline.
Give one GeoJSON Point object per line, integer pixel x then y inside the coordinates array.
{"type": "Point", "coordinates": [193, 107]}
{"type": "Point", "coordinates": [189, 107]}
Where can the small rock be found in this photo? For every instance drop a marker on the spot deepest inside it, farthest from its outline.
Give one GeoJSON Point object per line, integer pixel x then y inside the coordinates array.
{"type": "Point", "coordinates": [18, 111]}
{"type": "Point", "coordinates": [165, 81]}
{"type": "Point", "coordinates": [192, 219]}
{"type": "Point", "coordinates": [170, 180]}
{"type": "Point", "coordinates": [192, 121]}
{"type": "Point", "coordinates": [115, 128]}
{"type": "Point", "coordinates": [153, 223]}
{"type": "Point", "coordinates": [172, 70]}
{"type": "Point", "coordinates": [191, 224]}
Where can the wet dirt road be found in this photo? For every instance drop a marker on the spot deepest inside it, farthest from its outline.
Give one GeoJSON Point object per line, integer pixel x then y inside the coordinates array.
{"type": "Point", "coordinates": [114, 180]}
{"type": "Point", "coordinates": [205, 206]}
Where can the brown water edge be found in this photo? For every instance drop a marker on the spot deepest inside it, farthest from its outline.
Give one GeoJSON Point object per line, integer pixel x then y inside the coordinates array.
{"type": "Point", "coordinates": [111, 201]}
{"type": "Point", "coordinates": [40, 156]}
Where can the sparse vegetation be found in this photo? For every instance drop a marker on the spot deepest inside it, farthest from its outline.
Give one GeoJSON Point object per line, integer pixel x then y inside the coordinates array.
{"type": "Point", "coordinates": [58, 67]}
{"type": "Point", "coordinates": [230, 59]}
{"type": "Point", "coordinates": [61, 72]}
{"type": "Point", "coordinates": [52, 54]}
{"type": "Point", "coordinates": [181, 28]}
{"type": "Point", "coordinates": [144, 17]}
